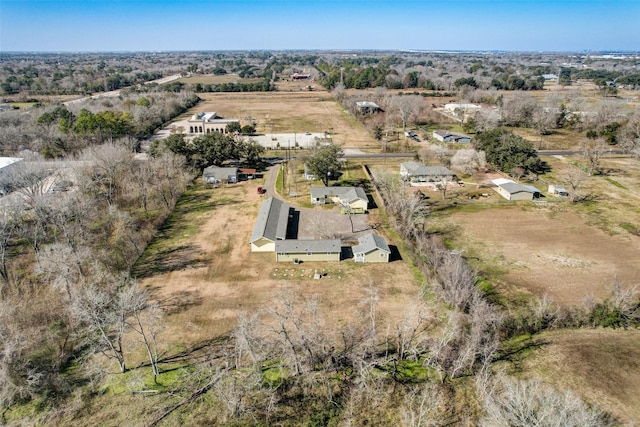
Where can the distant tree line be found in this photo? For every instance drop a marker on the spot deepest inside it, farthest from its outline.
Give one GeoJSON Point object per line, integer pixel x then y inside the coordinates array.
{"type": "Point", "coordinates": [57, 130]}
{"type": "Point", "coordinates": [259, 86]}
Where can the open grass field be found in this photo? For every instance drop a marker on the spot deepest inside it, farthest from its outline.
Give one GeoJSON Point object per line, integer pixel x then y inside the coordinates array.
{"type": "Point", "coordinates": [601, 365]}
{"type": "Point", "coordinates": [568, 251]}
{"type": "Point", "coordinates": [202, 272]}
{"type": "Point", "coordinates": [290, 112]}
{"type": "Point", "coordinates": [201, 269]}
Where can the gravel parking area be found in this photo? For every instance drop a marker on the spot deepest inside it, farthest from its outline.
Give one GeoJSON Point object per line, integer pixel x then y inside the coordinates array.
{"type": "Point", "coordinates": [323, 222]}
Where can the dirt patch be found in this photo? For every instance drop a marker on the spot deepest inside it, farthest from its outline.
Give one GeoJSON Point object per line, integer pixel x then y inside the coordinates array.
{"type": "Point", "coordinates": [537, 250]}
{"type": "Point", "coordinates": [601, 365]}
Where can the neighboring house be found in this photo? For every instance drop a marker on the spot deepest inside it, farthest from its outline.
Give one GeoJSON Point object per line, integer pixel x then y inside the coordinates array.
{"type": "Point", "coordinates": [300, 76]}
{"type": "Point", "coordinates": [551, 77]}
{"type": "Point", "coordinates": [354, 197]}
{"type": "Point", "coordinates": [7, 164]}
{"type": "Point", "coordinates": [419, 174]}
{"type": "Point", "coordinates": [271, 225]}
{"type": "Point", "coordinates": [308, 250]}
{"type": "Point", "coordinates": [446, 136]}
{"type": "Point", "coordinates": [511, 190]}
{"type": "Point", "coordinates": [367, 107]}
{"type": "Point", "coordinates": [201, 123]}
{"type": "Point", "coordinates": [371, 248]}
{"type": "Point", "coordinates": [557, 190]}
{"type": "Point", "coordinates": [465, 108]}
{"type": "Point", "coordinates": [307, 174]}
{"type": "Point", "coordinates": [216, 174]}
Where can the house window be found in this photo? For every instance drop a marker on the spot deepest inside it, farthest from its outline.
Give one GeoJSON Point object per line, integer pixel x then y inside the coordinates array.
{"type": "Point", "coordinates": [381, 255]}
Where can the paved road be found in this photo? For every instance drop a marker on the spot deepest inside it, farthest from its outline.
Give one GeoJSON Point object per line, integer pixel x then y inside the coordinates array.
{"type": "Point", "coordinates": [576, 152]}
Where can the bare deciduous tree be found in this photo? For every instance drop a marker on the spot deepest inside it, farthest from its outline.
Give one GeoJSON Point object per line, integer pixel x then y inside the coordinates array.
{"type": "Point", "coordinates": [424, 406]}
{"type": "Point", "coordinates": [468, 161]}
{"type": "Point", "coordinates": [104, 308]}
{"type": "Point", "coordinates": [575, 178]}
{"type": "Point", "coordinates": [516, 402]}
{"type": "Point", "coordinates": [406, 107]}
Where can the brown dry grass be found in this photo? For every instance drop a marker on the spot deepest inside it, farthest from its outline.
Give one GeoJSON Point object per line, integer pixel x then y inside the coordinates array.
{"type": "Point", "coordinates": [553, 251]}
{"type": "Point", "coordinates": [569, 251]}
{"type": "Point", "coordinates": [601, 365]}
{"type": "Point", "coordinates": [205, 299]}
{"type": "Point", "coordinates": [289, 112]}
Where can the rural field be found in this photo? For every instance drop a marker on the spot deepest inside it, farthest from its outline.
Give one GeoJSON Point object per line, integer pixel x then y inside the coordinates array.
{"type": "Point", "coordinates": [203, 271]}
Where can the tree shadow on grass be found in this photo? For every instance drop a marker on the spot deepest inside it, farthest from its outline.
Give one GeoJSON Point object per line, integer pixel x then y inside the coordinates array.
{"type": "Point", "coordinates": [179, 301]}
{"type": "Point", "coordinates": [171, 259]}
{"type": "Point", "coordinates": [516, 351]}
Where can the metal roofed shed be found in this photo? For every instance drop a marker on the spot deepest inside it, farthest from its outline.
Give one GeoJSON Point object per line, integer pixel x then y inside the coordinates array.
{"type": "Point", "coordinates": [511, 190]}
{"type": "Point", "coordinates": [308, 250]}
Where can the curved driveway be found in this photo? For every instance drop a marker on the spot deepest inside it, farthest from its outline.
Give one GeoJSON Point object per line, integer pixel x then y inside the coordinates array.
{"type": "Point", "coordinates": [322, 222]}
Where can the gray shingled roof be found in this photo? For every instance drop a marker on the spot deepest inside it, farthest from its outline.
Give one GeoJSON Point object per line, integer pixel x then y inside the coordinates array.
{"type": "Point", "coordinates": [219, 172]}
{"type": "Point", "coordinates": [350, 194]}
{"type": "Point", "coordinates": [272, 220]}
{"type": "Point", "coordinates": [370, 242]}
{"type": "Point", "coordinates": [514, 187]}
{"type": "Point", "coordinates": [308, 246]}
{"type": "Point", "coordinates": [418, 169]}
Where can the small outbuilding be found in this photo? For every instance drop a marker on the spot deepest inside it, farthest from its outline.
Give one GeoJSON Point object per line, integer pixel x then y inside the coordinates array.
{"type": "Point", "coordinates": [371, 248]}
{"type": "Point", "coordinates": [308, 175]}
{"type": "Point", "coordinates": [557, 190]}
{"type": "Point", "coordinates": [511, 190]}
{"type": "Point", "coordinates": [308, 250]}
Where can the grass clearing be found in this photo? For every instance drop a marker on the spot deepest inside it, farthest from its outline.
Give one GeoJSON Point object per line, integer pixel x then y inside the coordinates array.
{"type": "Point", "coordinates": [601, 365]}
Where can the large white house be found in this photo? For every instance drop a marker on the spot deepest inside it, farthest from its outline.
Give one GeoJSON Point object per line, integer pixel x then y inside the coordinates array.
{"type": "Point", "coordinates": [207, 122]}
{"type": "Point", "coordinates": [452, 107]}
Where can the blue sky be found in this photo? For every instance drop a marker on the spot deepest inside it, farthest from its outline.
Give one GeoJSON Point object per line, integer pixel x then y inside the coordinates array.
{"type": "Point", "coordinates": [163, 25]}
